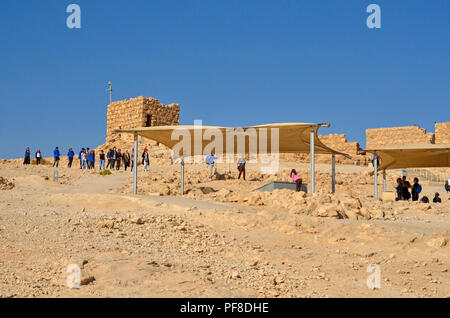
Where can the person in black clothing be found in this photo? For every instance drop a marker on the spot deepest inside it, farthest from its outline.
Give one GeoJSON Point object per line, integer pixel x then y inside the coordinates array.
{"type": "Point", "coordinates": [437, 199]}
{"type": "Point", "coordinates": [415, 190]}
{"type": "Point", "coordinates": [425, 199]}
{"type": "Point", "coordinates": [126, 160]}
{"type": "Point", "coordinates": [113, 157]}
{"type": "Point", "coordinates": [38, 156]}
{"type": "Point", "coordinates": [406, 187]}
{"type": "Point", "coordinates": [399, 190]}
{"type": "Point", "coordinates": [118, 159]}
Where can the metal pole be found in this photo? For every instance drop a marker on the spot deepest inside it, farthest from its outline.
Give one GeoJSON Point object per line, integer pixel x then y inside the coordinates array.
{"type": "Point", "coordinates": [375, 167]}
{"type": "Point", "coordinates": [182, 176]}
{"type": "Point", "coordinates": [333, 173]}
{"type": "Point", "coordinates": [135, 158]}
{"type": "Point", "coordinates": [384, 180]}
{"type": "Point", "coordinates": [110, 93]}
{"type": "Point", "coordinates": [311, 141]}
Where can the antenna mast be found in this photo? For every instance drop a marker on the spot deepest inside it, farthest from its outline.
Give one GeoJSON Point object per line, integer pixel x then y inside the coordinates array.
{"type": "Point", "coordinates": [110, 92]}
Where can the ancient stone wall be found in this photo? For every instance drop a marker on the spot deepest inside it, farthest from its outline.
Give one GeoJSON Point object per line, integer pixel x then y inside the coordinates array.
{"type": "Point", "coordinates": [442, 133]}
{"type": "Point", "coordinates": [397, 136]}
{"type": "Point", "coordinates": [336, 142]}
{"type": "Point", "coordinates": [340, 143]}
{"type": "Point", "coordinates": [139, 112]}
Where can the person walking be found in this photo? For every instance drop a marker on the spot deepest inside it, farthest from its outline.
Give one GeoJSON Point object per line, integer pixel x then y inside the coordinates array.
{"type": "Point", "coordinates": [126, 160]}
{"type": "Point", "coordinates": [241, 167]}
{"type": "Point", "coordinates": [447, 186]}
{"type": "Point", "coordinates": [70, 156]}
{"type": "Point", "coordinates": [211, 162]}
{"type": "Point", "coordinates": [113, 158]}
{"type": "Point", "coordinates": [145, 159]}
{"type": "Point", "coordinates": [84, 156]}
{"type": "Point", "coordinates": [102, 160]}
{"type": "Point", "coordinates": [118, 159]}
{"type": "Point", "coordinates": [56, 157]}
{"type": "Point", "coordinates": [88, 152]}
{"type": "Point", "coordinates": [92, 160]}
{"type": "Point", "coordinates": [38, 156]}
{"type": "Point", "coordinates": [79, 158]}
{"type": "Point", "coordinates": [415, 190]}
{"type": "Point", "coordinates": [27, 158]}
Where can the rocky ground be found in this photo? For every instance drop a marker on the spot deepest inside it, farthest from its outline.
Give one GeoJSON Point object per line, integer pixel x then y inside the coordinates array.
{"type": "Point", "coordinates": [222, 239]}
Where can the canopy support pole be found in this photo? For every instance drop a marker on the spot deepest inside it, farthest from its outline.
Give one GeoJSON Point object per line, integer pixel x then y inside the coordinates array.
{"type": "Point", "coordinates": [333, 172]}
{"type": "Point", "coordinates": [135, 171]}
{"type": "Point", "coordinates": [311, 141]}
{"type": "Point", "coordinates": [182, 176]}
{"type": "Point", "coordinates": [384, 180]}
{"type": "Point", "coordinates": [375, 167]}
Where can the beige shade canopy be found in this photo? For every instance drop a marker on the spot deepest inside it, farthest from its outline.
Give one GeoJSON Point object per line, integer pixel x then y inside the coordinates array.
{"type": "Point", "coordinates": [413, 156]}
{"type": "Point", "coordinates": [293, 137]}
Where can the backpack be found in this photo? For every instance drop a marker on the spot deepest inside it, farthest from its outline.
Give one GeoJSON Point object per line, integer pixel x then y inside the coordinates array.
{"type": "Point", "coordinates": [419, 189]}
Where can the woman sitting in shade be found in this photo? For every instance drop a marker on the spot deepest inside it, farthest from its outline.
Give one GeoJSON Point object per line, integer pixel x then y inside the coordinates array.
{"type": "Point", "coordinates": [297, 180]}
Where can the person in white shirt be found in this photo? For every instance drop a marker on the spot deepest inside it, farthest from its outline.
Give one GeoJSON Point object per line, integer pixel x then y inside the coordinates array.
{"type": "Point", "coordinates": [38, 157]}
{"type": "Point", "coordinates": [241, 167]}
{"type": "Point", "coordinates": [84, 160]}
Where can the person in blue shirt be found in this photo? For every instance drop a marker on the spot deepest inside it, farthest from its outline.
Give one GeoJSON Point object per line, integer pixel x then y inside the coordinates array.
{"type": "Point", "coordinates": [91, 160]}
{"type": "Point", "coordinates": [70, 155]}
{"type": "Point", "coordinates": [27, 158]}
{"type": "Point", "coordinates": [211, 162]}
{"type": "Point", "coordinates": [56, 156]}
{"type": "Point", "coordinates": [79, 157]}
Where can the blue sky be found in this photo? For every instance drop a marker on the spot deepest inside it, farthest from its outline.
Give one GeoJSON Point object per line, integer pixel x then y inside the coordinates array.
{"type": "Point", "coordinates": [232, 63]}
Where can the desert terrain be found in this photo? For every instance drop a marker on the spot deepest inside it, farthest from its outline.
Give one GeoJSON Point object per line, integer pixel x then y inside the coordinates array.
{"type": "Point", "coordinates": [222, 239]}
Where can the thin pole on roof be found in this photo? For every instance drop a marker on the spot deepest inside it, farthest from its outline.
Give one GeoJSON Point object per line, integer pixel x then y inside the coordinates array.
{"type": "Point", "coordinates": [182, 175]}
{"type": "Point", "coordinates": [311, 142]}
{"type": "Point", "coordinates": [333, 172]}
{"type": "Point", "coordinates": [135, 158]}
{"type": "Point", "coordinates": [375, 168]}
{"type": "Point", "coordinates": [110, 92]}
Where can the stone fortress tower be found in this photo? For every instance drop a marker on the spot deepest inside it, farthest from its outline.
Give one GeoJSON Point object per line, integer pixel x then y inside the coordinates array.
{"type": "Point", "coordinates": [139, 112]}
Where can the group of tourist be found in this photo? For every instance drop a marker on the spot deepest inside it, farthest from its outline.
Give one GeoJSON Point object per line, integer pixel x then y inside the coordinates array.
{"type": "Point", "coordinates": [114, 159]}
{"type": "Point", "coordinates": [87, 158]}
{"type": "Point", "coordinates": [403, 194]}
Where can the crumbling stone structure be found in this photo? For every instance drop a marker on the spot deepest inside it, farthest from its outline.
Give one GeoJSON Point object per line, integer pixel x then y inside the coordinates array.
{"type": "Point", "coordinates": [139, 112]}
{"type": "Point", "coordinates": [408, 135]}
{"type": "Point", "coordinates": [442, 132]}
{"type": "Point", "coordinates": [339, 142]}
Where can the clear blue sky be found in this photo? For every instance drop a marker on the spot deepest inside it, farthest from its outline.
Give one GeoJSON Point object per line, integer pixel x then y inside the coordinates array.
{"type": "Point", "coordinates": [233, 62]}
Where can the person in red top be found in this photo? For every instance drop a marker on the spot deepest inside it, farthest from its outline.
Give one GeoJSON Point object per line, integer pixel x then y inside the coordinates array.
{"type": "Point", "coordinates": [297, 180]}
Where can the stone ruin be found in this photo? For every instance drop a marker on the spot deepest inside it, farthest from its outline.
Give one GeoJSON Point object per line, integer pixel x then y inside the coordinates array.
{"type": "Point", "coordinates": [408, 135]}
{"type": "Point", "coordinates": [136, 113]}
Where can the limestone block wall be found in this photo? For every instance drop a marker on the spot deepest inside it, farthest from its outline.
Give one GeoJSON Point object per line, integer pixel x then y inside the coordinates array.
{"type": "Point", "coordinates": [442, 133]}
{"type": "Point", "coordinates": [161, 115]}
{"type": "Point", "coordinates": [138, 112]}
{"type": "Point", "coordinates": [336, 142]}
{"type": "Point", "coordinates": [397, 136]}
{"type": "Point", "coordinates": [339, 142]}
